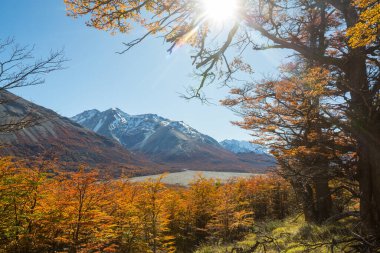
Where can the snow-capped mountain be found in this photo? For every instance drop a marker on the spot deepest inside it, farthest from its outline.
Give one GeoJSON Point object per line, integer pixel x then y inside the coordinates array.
{"type": "Point", "coordinates": [163, 140]}
{"type": "Point", "coordinates": [134, 131]}
{"type": "Point", "coordinates": [236, 147]}
{"type": "Point", "coordinates": [247, 151]}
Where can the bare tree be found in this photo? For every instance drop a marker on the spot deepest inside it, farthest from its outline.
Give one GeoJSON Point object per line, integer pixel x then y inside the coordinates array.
{"type": "Point", "coordinates": [19, 68]}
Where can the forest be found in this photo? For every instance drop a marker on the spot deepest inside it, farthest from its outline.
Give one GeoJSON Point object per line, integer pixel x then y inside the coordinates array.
{"type": "Point", "coordinates": [319, 116]}
{"type": "Point", "coordinates": [44, 210]}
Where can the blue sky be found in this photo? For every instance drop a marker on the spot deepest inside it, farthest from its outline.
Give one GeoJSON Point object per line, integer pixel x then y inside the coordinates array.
{"type": "Point", "coordinates": [144, 80]}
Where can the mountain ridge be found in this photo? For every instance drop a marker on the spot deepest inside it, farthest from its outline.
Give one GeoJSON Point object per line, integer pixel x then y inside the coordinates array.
{"type": "Point", "coordinates": [166, 141]}
{"type": "Point", "coordinates": [58, 138]}
{"type": "Point", "coordinates": [241, 146]}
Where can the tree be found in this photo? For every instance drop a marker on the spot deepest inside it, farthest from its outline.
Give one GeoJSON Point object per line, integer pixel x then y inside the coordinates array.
{"type": "Point", "coordinates": [201, 200]}
{"type": "Point", "coordinates": [79, 201]}
{"type": "Point", "coordinates": [269, 196]}
{"type": "Point", "coordinates": [180, 217]}
{"type": "Point", "coordinates": [128, 225]}
{"type": "Point", "coordinates": [155, 220]}
{"type": "Point", "coordinates": [313, 29]}
{"type": "Point", "coordinates": [231, 217]}
{"type": "Point", "coordinates": [21, 198]}
{"type": "Point", "coordinates": [18, 69]}
{"type": "Point", "coordinates": [367, 30]}
{"type": "Point", "coordinates": [291, 116]}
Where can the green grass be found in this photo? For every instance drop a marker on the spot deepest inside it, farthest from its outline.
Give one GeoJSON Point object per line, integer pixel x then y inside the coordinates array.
{"type": "Point", "coordinates": [292, 235]}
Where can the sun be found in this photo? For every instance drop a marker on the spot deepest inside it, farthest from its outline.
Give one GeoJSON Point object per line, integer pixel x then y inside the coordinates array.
{"type": "Point", "coordinates": [219, 11]}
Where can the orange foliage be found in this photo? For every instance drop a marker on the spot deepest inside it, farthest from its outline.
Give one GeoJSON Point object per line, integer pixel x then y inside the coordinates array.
{"type": "Point", "coordinates": [80, 212]}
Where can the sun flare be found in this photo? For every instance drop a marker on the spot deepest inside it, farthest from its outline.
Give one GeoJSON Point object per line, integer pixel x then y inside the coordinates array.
{"type": "Point", "coordinates": [220, 11]}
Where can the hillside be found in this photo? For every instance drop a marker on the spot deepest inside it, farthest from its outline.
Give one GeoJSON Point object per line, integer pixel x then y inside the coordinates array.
{"type": "Point", "coordinates": [53, 137]}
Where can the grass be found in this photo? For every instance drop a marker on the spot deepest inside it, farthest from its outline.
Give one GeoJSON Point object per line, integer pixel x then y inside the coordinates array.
{"type": "Point", "coordinates": [292, 235]}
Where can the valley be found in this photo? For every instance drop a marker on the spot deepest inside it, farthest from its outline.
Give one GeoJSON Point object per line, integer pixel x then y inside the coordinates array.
{"type": "Point", "coordinates": [191, 126]}
{"type": "Point", "coordinates": [186, 177]}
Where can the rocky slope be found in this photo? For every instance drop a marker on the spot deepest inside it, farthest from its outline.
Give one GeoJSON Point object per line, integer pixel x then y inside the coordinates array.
{"type": "Point", "coordinates": [55, 137]}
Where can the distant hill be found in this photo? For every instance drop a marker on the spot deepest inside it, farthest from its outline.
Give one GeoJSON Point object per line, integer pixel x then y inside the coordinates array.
{"type": "Point", "coordinates": [236, 147]}
{"type": "Point", "coordinates": [57, 137]}
{"type": "Point", "coordinates": [249, 152]}
{"type": "Point", "coordinates": [170, 142]}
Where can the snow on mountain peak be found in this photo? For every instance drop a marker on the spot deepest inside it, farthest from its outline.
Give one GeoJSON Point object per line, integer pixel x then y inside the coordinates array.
{"type": "Point", "coordinates": [236, 146]}
{"type": "Point", "coordinates": [115, 123]}
{"type": "Point", "coordinates": [120, 123]}
{"type": "Point", "coordinates": [86, 115]}
{"type": "Point", "coordinates": [172, 142]}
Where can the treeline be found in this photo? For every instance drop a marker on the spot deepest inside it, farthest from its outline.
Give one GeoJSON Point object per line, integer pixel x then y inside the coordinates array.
{"type": "Point", "coordinates": [79, 212]}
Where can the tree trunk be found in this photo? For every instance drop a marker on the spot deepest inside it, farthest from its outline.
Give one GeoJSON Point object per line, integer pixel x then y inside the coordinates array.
{"type": "Point", "coordinates": [365, 120]}
{"type": "Point", "coordinates": [369, 181]}
{"type": "Point", "coordinates": [316, 199]}
{"type": "Point", "coordinates": [305, 194]}
{"type": "Point", "coordinates": [323, 201]}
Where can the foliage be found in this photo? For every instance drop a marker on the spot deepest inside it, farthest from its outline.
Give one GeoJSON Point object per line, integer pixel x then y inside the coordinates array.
{"type": "Point", "coordinates": [367, 30]}
{"type": "Point", "coordinates": [294, 235]}
{"type": "Point", "coordinates": [341, 37]}
{"type": "Point", "coordinates": [296, 116]}
{"type": "Point", "coordinates": [81, 212]}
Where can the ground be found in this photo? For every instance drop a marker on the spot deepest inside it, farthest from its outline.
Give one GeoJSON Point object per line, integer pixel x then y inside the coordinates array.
{"type": "Point", "coordinates": [292, 235]}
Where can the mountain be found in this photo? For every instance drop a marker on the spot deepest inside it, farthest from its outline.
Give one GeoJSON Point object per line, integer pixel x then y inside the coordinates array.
{"type": "Point", "coordinates": [55, 137]}
{"type": "Point", "coordinates": [165, 141]}
{"type": "Point", "coordinates": [236, 147]}
{"type": "Point", "coordinates": [249, 152]}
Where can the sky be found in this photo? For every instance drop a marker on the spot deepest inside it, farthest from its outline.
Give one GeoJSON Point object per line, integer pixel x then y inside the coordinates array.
{"type": "Point", "coordinates": [146, 79]}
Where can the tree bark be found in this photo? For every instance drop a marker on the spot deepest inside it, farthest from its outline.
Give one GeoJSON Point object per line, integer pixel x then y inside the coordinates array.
{"type": "Point", "coordinates": [323, 201]}
{"type": "Point", "coordinates": [315, 198]}
{"type": "Point", "coordinates": [369, 181]}
{"type": "Point", "coordinates": [305, 194]}
{"type": "Point", "coordinates": [365, 120]}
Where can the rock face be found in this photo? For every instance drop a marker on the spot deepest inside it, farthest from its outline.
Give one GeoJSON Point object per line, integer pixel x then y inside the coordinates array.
{"type": "Point", "coordinates": [169, 142]}
{"type": "Point", "coordinates": [55, 137]}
